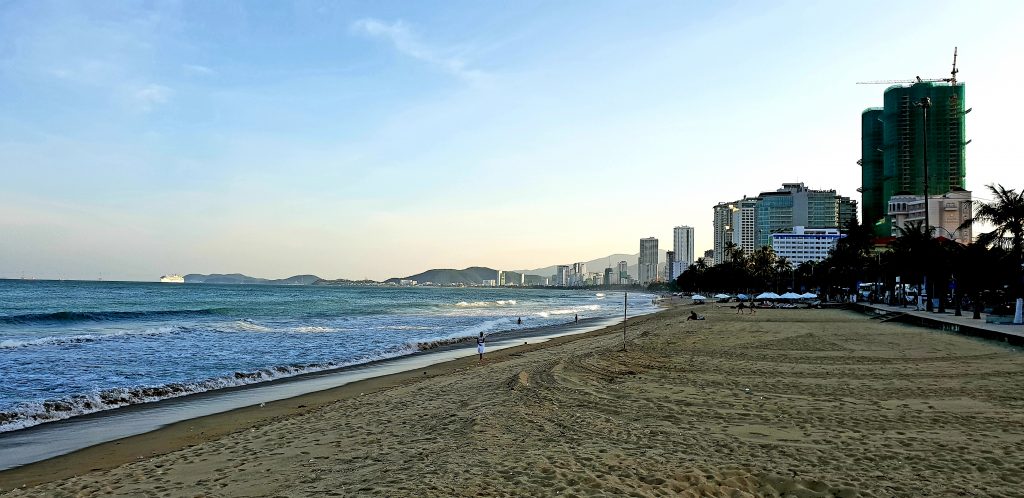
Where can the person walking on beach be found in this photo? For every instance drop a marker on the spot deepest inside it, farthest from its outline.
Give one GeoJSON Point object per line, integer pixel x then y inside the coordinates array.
{"type": "Point", "coordinates": [739, 309]}
{"type": "Point", "coordinates": [480, 345]}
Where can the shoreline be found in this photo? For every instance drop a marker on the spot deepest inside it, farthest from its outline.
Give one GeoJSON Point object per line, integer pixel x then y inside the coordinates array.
{"type": "Point", "coordinates": [188, 431]}
{"type": "Point", "coordinates": [780, 403]}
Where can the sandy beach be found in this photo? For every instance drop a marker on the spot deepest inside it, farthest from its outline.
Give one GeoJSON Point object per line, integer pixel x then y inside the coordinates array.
{"type": "Point", "coordinates": [779, 403]}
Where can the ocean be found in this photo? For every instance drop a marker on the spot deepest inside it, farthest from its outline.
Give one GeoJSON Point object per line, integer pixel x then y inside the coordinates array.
{"type": "Point", "coordinates": [70, 348]}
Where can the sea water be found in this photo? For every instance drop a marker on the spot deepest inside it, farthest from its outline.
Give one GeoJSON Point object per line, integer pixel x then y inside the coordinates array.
{"type": "Point", "coordinates": [70, 348]}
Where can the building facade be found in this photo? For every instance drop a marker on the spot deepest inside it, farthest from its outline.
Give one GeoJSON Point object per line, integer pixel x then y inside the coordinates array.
{"type": "Point", "coordinates": [805, 244]}
{"type": "Point", "coordinates": [892, 147]}
{"type": "Point", "coordinates": [945, 214]}
{"type": "Point", "coordinates": [578, 274]}
{"type": "Point", "coordinates": [682, 245]}
{"type": "Point", "coordinates": [796, 205]}
{"type": "Point", "coordinates": [622, 271]}
{"type": "Point", "coordinates": [647, 264]}
{"type": "Point", "coordinates": [722, 228]}
{"type": "Point", "coordinates": [561, 276]}
{"type": "Point", "coordinates": [847, 212]}
{"type": "Point", "coordinates": [744, 233]}
{"type": "Point", "coordinates": [670, 260]}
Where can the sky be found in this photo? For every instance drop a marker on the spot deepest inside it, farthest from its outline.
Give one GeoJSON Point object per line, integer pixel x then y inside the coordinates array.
{"type": "Point", "coordinates": [380, 139]}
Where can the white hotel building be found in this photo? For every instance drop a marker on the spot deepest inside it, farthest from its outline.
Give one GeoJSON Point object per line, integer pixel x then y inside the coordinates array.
{"type": "Point", "coordinates": [805, 244]}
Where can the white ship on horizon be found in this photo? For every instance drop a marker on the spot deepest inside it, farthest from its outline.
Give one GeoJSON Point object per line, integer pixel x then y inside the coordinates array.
{"type": "Point", "coordinates": [173, 278]}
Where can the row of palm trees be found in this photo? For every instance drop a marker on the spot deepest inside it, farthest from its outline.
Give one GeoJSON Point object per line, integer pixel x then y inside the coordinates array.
{"type": "Point", "coordinates": [990, 269]}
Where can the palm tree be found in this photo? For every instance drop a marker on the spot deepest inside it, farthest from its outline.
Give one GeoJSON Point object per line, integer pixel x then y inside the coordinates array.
{"type": "Point", "coordinates": [1006, 214]}
{"type": "Point", "coordinates": [782, 268]}
{"type": "Point", "coordinates": [762, 264]}
{"type": "Point", "coordinates": [733, 252]}
{"type": "Point", "coordinates": [911, 252]}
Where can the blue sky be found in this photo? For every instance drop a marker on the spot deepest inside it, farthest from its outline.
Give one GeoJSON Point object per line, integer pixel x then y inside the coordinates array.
{"type": "Point", "coordinates": [379, 139]}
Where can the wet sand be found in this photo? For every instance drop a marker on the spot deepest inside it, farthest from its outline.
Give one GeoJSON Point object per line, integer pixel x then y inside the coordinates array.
{"type": "Point", "coordinates": [781, 403]}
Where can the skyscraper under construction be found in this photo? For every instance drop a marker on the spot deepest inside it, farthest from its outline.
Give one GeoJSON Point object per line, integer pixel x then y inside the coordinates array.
{"type": "Point", "coordinates": [893, 142]}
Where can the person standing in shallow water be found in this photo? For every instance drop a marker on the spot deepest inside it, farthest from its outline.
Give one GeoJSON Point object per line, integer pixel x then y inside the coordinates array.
{"type": "Point", "coordinates": [577, 318]}
{"type": "Point", "coordinates": [480, 345]}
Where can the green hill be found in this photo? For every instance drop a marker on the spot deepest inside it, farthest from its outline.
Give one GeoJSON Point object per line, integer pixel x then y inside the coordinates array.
{"type": "Point", "coordinates": [238, 278]}
{"type": "Point", "coordinates": [473, 275]}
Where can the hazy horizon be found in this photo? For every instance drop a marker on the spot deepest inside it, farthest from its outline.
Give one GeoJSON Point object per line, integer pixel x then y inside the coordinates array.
{"type": "Point", "coordinates": [354, 140]}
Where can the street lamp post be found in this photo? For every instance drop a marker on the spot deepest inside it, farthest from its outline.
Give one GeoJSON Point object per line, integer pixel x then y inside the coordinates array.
{"type": "Point", "coordinates": [924, 104]}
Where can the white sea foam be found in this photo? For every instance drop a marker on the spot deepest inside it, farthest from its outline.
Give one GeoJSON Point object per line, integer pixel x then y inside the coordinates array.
{"type": "Point", "coordinates": [248, 326]}
{"type": "Point", "coordinates": [82, 338]}
{"type": "Point", "coordinates": [484, 304]}
{"type": "Point", "coordinates": [486, 326]}
{"type": "Point", "coordinates": [316, 330]}
{"type": "Point", "coordinates": [28, 414]}
{"type": "Point", "coordinates": [406, 327]}
{"type": "Point", "coordinates": [569, 311]}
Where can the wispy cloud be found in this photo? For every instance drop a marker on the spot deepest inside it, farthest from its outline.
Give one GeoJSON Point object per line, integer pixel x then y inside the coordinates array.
{"type": "Point", "coordinates": [150, 96]}
{"type": "Point", "coordinates": [407, 42]}
{"type": "Point", "coordinates": [197, 69]}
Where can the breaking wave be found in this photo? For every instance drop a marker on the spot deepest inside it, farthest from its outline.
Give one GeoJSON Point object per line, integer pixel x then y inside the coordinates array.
{"type": "Point", "coordinates": [484, 304]}
{"type": "Point", "coordinates": [29, 414]}
{"type": "Point", "coordinates": [568, 311]}
{"type": "Point", "coordinates": [85, 338]}
{"type": "Point", "coordinates": [98, 316]}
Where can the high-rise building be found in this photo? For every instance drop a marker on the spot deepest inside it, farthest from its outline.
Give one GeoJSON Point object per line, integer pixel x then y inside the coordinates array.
{"type": "Point", "coordinates": [722, 229]}
{"type": "Point", "coordinates": [647, 264]}
{"type": "Point", "coordinates": [682, 244]}
{"type": "Point", "coordinates": [744, 233]}
{"type": "Point", "coordinates": [847, 211]}
{"type": "Point", "coordinates": [735, 222]}
{"type": "Point", "coordinates": [578, 274]}
{"type": "Point", "coordinates": [561, 276]}
{"type": "Point", "coordinates": [608, 280]}
{"type": "Point", "coordinates": [622, 270]}
{"type": "Point", "coordinates": [893, 146]}
{"type": "Point", "coordinates": [796, 205]}
{"type": "Point", "coordinates": [670, 260]}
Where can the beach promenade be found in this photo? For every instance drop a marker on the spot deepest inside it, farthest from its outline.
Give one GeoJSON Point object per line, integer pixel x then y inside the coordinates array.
{"type": "Point", "coordinates": [783, 402]}
{"type": "Point", "coordinates": [949, 321]}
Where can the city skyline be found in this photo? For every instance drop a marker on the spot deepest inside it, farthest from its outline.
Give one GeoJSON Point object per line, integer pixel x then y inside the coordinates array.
{"type": "Point", "coordinates": [375, 141]}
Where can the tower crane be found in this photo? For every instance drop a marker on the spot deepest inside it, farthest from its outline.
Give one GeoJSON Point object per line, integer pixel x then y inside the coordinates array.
{"type": "Point", "coordinates": [917, 79]}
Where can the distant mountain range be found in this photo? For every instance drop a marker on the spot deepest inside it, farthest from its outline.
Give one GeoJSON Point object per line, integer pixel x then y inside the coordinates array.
{"type": "Point", "coordinates": [472, 275]}
{"type": "Point", "coordinates": [238, 278]}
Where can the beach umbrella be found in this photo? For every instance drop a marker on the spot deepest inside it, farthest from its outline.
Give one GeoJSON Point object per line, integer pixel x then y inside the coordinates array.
{"type": "Point", "coordinates": [790, 295]}
{"type": "Point", "coordinates": [808, 295]}
{"type": "Point", "coordinates": [742, 297]}
{"type": "Point", "coordinates": [767, 295]}
{"type": "Point", "coordinates": [722, 296]}
{"type": "Point", "coordinates": [698, 297]}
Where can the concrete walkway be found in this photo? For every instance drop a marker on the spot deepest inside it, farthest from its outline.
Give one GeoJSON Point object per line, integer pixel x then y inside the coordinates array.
{"type": "Point", "coordinates": [964, 321]}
